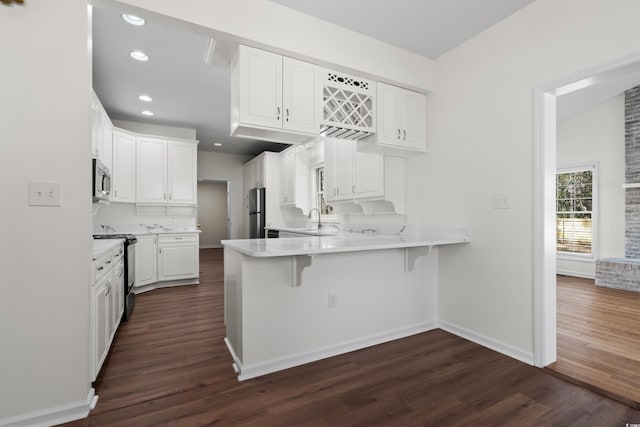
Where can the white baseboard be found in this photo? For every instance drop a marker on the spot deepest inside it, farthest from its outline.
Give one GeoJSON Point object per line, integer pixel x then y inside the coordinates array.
{"type": "Point", "coordinates": [56, 415]}
{"type": "Point", "coordinates": [258, 369]}
{"type": "Point", "coordinates": [210, 246]}
{"type": "Point", "coordinates": [575, 274]}
{"type": "Point", "coordinates": [484, 341]}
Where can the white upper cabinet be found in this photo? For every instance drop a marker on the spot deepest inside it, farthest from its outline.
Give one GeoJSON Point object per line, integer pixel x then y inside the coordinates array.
{"type": "Point", "coordinates": [350, 174]}
{"type": "Point", "coordinates": [124, 167]}
{"type": "Point", "coordinates": [101, 128]}
{"type": "Point", "coordinates": [261, 87]}
{"type": "Point", "coordinates": [166, 171]}
{"type": "Point", "coordinates": [151, 170]}
{"type": "Point", "coordinates": [300, 100]}
{"type": "Point", "coordinates": [373, 182]}
{"type": "Point", "coordinates": [402, 122]}
{"type": "Point", "coordinates": [295, 185]}
{"type": "Point", "coordinates": [181, 179]}
{"type": "Point", "coordinates": [273, 98]}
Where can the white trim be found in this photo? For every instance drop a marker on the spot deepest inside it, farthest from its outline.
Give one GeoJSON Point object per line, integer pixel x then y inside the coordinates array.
{"type": "Point", "coordinates": [274, 365]}
{"type": "Point", "coordinates": [544, 264]}
{"type": "Point", "coordinates": [571, 273]}
{"type": "Point", "coordinates": [500, 347]}
{"type": "Point", "coordinates": [55, 415]}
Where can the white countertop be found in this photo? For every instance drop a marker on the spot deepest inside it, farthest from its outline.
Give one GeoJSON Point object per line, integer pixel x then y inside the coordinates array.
{"type": "Point", "coordinates": [100, 246]}
{"type": "Point", "coordinates": [339, 243]}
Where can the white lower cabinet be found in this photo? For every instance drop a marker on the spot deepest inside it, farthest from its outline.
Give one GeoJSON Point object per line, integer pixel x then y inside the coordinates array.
{"type": "Point", "coordinates": [146, 264]}
{"type": "Point", "coordinates": [107, 305]}
{"type": "Point", "coordinates": [177, 257]}
{"type": "Point", "coordinates": [166, 257]}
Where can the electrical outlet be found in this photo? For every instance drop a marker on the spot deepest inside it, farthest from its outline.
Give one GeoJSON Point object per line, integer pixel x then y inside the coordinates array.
{"type": "Point", "coordinates": [45, 193]}
{"type": "Point", "coordinates": [332, 300]}
{"type": "Point", "coordinates": [501, 200]}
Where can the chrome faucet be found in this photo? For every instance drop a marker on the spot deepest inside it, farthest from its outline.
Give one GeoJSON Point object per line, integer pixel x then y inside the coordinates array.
{"type": "Point", "coordinates": [309, 216]}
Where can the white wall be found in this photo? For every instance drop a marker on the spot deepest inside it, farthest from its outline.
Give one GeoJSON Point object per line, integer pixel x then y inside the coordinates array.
{"type": "Point", "coordinates": [597, 136]}
{"type": "Point", "coordinates": [481, 141]}
{"type": "Point", "coordinates": [127, 213]}
{"type": "Point", "coordinates": [212, 213]}
{"type": "Point", "coordinates": [46, 251]}
{"type": "Point", "coordinates": [226, 167]}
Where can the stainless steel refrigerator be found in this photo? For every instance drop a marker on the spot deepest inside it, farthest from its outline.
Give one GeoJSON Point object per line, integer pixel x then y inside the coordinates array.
{"type": "Point", "coordinates": [256, 213]}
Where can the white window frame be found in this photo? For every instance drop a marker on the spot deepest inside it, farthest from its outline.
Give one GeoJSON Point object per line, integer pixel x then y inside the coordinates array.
{"type": "Point", "coordinates": [572, 256]}
{"type": "Point", "coordinates": [314, 190]}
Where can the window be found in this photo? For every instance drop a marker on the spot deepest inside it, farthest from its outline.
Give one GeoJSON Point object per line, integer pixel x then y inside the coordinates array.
{"type": "Point", "coordinates": [321, 204]}
{"type": "Point", "coordinates": [574, 210]}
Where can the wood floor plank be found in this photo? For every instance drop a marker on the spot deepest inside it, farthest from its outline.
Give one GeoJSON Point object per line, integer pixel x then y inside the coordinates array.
{"type": "Point", "coordinates": [598, 338]}
{"type": "Point", "coordinates": [169, 367]}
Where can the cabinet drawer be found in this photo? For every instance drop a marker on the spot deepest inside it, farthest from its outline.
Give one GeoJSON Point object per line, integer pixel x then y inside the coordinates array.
{"type": "Point", "coordinates": [177, 238]}
{"type": "Point", "coordinates": [102, 265]}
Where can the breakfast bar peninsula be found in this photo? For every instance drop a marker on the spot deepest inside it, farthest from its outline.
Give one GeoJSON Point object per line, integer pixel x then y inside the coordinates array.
{"type": "Point", "coordinates": [290, 301]}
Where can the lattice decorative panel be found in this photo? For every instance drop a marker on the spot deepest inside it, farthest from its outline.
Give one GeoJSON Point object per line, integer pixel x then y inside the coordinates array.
{"type": "Point", "coordinates": [348, 107]}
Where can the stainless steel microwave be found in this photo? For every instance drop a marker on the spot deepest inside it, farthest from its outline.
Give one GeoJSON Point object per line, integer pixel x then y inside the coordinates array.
{"type": "Point", "coordinates": [101, 181]}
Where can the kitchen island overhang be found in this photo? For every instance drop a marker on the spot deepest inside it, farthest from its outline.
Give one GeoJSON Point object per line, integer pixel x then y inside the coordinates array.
{"type": "Point", "coordinates": [297, 300]}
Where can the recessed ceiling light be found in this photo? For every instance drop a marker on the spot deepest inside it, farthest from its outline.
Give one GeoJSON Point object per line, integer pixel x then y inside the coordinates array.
{"type": "Point", "coordinates": [145, 98]}
{"type": "Point", "coordinates": [217, 144]}
{"type": "Point", "coordinates": [147, 113]}
{"type": "Point", "coordinates": [133, 19]}
{"type": "Point", "coordinates": [139, 55]}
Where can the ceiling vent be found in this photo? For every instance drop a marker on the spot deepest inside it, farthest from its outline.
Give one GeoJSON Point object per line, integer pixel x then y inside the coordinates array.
{"type": "Point", "coordinates": [348, 106]}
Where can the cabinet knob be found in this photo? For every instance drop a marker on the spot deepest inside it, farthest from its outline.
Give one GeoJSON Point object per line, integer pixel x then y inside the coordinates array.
{"type": "Point", "coordinates": [398, 134]}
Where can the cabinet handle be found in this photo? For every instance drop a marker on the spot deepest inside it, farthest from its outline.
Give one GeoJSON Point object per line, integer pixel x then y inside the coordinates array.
{"type": "Point", "coordinates": [278, 113]}
{"type": "Point", "coordinates": [100, 268]}
{"type": "Point", "coordinates": [170, 196]}
{"type": "Point", "coordinates": [404, 135]}
{"type": "Point", "coordinates": [108, 289]}
{"type": "Point", "coordinates": [353, 189]}
{"type": "Point", "coordinates": [160, 250]}
{"type": "Point", "coordinates": [287, 114]}
{"type": "Point", "coordinates": [108, 262]}
{"type": "Point", "coordinates": [398, 134]}
{"type": "Point", "coordinates": [164, 196]}
{"type": "Point", "coordinates": [154, 240]}
{"type": "Point", "coordinates": [115, 193]}
{"type": "Point", "coordinates": [177, 238]}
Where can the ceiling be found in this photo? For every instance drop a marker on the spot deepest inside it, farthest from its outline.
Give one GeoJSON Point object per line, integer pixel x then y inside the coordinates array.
{"type": "Point", "coordinates": [188, 93]}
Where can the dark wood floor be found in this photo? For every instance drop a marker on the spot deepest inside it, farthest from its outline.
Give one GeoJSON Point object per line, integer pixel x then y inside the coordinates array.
{"type": "Point", "coordinates": [599, 338]}
{"type": "Point", "coordinates": [169, 366]}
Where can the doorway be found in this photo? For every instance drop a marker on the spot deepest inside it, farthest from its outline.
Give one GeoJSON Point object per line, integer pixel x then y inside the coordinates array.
{"type": "Point", "coordinates": [591, 87]}
{"type": "Point", "coordinates": [213, 213]}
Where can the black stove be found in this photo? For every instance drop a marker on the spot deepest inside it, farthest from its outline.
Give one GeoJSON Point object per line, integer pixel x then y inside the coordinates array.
{"type": "Point", "coordinates": [129, 271]}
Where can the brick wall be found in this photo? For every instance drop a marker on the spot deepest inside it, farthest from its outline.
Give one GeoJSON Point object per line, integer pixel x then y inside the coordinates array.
{"type": "Point", "coordinates": [632, 172]}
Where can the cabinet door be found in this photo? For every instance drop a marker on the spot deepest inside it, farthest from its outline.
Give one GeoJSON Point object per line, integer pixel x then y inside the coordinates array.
{"type": "Point", "coordinates": [344, 157]}
{"type": "Point", "coordinates": [330, 169]}
{"type": "Point", "coordinates": [182, 172]}
{"type": "Point", "coordinates": [389, 131]}
{"type": "Point", "coordinates": [124, 167]}
{"type": "Point", "coordinates": [177, 261]}
{"type": "Point", "coordinates": [368, 174]}
{"type": "Point", "coordinates": [151, 170]}
{"type": "Point", "coordinates": [101, 316]}
{"type": "Point", "coordinates": [414, 120]}
{"type": "Point", "coordinates": [300, 96]}
{"type": "Point", "coordinates": [261, 86]}
{"type": "Point", "coordinates": [117, 296]}
{"type": "Point", "coordinates": [146, 264]}
{"type": "Point", "coordinates": [287, 178]}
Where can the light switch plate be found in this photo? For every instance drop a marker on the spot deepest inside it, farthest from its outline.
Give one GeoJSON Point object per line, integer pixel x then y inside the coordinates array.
{"type": "Point", "coordinates": [45, 193]}
{"type": "Point", "coordinates": [501, 200]}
